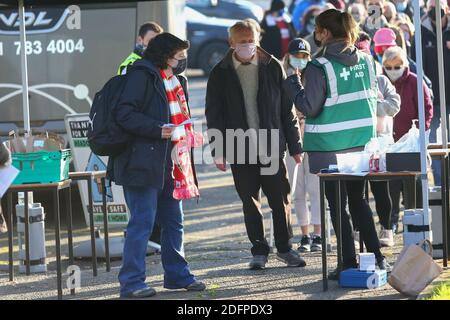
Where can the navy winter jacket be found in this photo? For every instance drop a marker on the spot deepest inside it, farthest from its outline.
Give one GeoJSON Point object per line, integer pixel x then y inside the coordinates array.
{"type": "Point", "coordinates": [142, 110]}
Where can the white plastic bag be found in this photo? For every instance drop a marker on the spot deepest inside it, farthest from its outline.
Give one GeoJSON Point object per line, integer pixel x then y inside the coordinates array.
{"type": "Point", "coordinates": [379, 144]}
{"type": "Point", "coordinates": [373, 146]}
{"type": "Point", "coordinates": [408, 143]}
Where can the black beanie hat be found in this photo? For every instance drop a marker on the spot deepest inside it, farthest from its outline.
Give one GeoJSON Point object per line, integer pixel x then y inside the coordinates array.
{"type": "Point", "coordinates": [277, 5]}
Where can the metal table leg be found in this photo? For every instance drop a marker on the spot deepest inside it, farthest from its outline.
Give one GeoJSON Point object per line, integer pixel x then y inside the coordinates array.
{"type": "Point", "coordinates": [447, 195]}
{"type": "Point", "coordinates": [361, 240]}
{"type": "Point", "coordinates": [91, 225]}
{"type": "Point", "coordinates": [414, 192]}
{"type": "Point", "coordinates": [9, 210]}
{"type": "Point", "coordinates": [361, 243]}
{"type": "Point", "coordinates": [69, 229]}
{"type": "Point", "coordinates": [58, 242]}
{"type": "Point", "coordinates": [27, 234]}
{"type": "Point", "coordinates": [324, 235]}
{"type": "Point", "coordinates": [406, 187]}
{"type": "Point", "coordinates": [105, 226]}
{"type": "Point", "coordinates": [339, 225]}
{"type": "Point", "coordinates": [444, 191]}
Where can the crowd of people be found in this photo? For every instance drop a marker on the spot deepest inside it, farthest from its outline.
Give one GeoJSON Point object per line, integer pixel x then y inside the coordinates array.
{"type": "Point", "coordinates": [326, 77]}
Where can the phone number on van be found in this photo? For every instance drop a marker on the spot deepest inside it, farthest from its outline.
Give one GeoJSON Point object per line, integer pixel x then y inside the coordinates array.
{"type": "Point", "coordinates": [53, 47]}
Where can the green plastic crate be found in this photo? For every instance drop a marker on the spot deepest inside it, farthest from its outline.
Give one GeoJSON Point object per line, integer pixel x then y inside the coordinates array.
{"type": "Point", "coordinates": [42, 166]}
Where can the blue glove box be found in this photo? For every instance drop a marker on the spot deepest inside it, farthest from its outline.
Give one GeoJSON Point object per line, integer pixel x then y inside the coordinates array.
{"type": "Point", "coordinates": [353, 278]}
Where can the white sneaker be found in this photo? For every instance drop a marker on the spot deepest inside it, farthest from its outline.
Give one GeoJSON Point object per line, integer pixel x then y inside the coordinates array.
{"type": "Point", "coordinates": [386, 238]}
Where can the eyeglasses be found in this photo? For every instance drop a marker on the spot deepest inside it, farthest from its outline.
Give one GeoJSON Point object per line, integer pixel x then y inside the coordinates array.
{"type": "Point", "coordinates": [393, 68]}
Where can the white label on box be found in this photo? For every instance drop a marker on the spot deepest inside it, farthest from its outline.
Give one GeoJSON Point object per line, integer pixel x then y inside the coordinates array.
{"type": "Point", "coordinates": [367, 262]}
{"type": "Point", "coordinates": [38, 143]}
{"type": "Point", "coordinates": [367, 268]}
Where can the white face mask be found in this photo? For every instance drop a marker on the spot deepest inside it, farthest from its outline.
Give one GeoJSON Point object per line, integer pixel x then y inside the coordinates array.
{"type": "Point", "coordinates": [245, 51]}
{"type": "Point", "coordinates": [394, 75]}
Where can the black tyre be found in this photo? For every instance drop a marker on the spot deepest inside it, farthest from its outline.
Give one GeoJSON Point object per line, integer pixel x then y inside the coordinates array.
{"type": "Point", "coordinates": [211, 54]}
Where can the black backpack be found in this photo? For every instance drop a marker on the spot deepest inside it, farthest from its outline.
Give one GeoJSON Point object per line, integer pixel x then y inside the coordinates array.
{"type": "Point", "coordinates": [105, 136]}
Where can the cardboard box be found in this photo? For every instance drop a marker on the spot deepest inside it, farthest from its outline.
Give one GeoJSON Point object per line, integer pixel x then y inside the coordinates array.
{"type": "Point", "coordinates": [367, 262]}
{"type": "Point", "coordinates": [405, 161]}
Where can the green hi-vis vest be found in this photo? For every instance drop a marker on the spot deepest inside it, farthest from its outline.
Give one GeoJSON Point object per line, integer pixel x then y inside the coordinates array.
{"type": "Point", "coordinates": [129, 60]}
{"type": "Point", "coordinates": [348, 119]}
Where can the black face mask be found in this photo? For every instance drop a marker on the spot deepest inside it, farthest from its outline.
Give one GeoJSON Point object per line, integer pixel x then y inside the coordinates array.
{"type": "Point", "coordinates": [317, 42]}
{"type": "Point", "coordinates": [181, 67]}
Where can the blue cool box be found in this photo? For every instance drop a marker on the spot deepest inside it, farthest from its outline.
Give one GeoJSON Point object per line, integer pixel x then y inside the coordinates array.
{"type": "Point", "coordinates": [353, 278]}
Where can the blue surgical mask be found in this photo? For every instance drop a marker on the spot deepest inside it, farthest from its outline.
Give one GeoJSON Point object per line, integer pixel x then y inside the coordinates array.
{"type": "Point", "coordinates": [298, 63]}
{"type": "Point", "coordinates": [139, 49]}
{"type": "Point", "coordinates": [401, 6]}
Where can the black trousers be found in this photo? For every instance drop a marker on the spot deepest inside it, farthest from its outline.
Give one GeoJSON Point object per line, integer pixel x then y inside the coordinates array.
{"type": "Point", "coordinates": [156, 234]}
{"type": "Point", "coordinates": [249, 181]}
{"type": "Point", "coordinates": [362, 217]}
{"type": "Point", "coordinates": [383, 202]}
{"type": "Point", "coordinates": [395, 188]}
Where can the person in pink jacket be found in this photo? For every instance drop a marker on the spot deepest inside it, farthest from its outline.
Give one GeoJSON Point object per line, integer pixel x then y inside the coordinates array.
{"type": "Point", "coordinates": [396, 67]}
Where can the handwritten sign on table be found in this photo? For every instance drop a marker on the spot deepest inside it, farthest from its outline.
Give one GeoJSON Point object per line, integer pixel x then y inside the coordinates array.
{"type": "Point", "coordinates": [7, 176]}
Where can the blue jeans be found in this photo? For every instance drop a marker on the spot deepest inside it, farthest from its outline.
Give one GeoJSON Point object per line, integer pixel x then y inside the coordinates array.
{"type": "Point", "coordinates": [147, 204]}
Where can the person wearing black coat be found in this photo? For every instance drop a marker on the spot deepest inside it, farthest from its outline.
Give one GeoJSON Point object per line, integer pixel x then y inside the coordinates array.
{"type": "Point", "coordinates": [429, 51]}
{"type": "Point", "coordinates": [145, 168]}
{"type": "Point", "coordinates": [245, 94]}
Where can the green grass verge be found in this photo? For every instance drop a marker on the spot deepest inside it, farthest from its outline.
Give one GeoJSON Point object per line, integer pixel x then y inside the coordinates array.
{"type": "Point", "coordinates": [441, 292]}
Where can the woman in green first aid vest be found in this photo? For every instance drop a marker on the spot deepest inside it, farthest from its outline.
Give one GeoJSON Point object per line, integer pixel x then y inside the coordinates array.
{"type": "Point", "coordinates": [339, 99]}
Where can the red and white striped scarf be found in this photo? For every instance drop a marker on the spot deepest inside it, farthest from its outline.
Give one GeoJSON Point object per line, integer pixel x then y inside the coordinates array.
{"type": "Point", "coordinates": [183, 140]}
